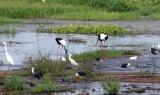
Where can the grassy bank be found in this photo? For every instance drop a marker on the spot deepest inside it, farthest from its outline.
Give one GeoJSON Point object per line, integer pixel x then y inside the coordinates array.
{"type": "Point", "coordinates": [92, 55]}
{"type": "Point", "coordinates": [80, 9]}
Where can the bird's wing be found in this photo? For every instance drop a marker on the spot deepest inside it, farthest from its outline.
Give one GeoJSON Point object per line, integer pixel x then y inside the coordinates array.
{"type": "Point", "coordinates": [102, 36]}
{"type": "Point", "coordinates": [10, 59]}
{"type": "Point", "coordinates": [63, 42]}
{"type": "Point", "coordinates": [74, 62]}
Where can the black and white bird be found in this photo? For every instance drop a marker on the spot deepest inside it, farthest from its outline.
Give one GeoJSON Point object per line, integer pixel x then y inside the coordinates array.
{"type": "Point", "coordinates": [125, 65]}
{"type": "Point", "coordinates": [153, 51]}
{"type": "Point", "coordinates": [98, 59]}
{"type": "Point", "coordinates": [36, 74]}
{"type": "Point", "coordinates": [72, 61]}
{"type": "Point", "coordinates": [101, 37]}
{"type": "Point", "coordinates": [61, 43]}
{"type": "Point", "coordinates": [81, 73]}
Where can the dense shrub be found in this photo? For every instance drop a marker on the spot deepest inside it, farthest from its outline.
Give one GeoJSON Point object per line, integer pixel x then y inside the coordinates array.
{"type": "Point", "coordinates": [46, 65]}
{"type": "Point", "coordinates": [113, 5]}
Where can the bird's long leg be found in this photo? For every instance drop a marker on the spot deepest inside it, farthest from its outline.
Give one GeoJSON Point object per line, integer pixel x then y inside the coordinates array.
{"type": "Point", "coordinates": [58, 49]}
{"type": "Point", "coordinates": [101, 43]}
{"type": "Point", "coordinates": [61, 49]}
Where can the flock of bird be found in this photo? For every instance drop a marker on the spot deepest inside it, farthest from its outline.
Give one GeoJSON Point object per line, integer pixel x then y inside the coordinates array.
{"type": "Point", "coordinates": [62, 45]}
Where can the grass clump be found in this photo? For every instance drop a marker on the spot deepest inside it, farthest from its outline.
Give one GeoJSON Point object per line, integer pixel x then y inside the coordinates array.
{"type": "Point", "coordinates": [92, 55]}
{"type": "Point", "coordinates": [14, 83]}
{"type": "Point", "coordinates": [92, 29]}
{"type": "Point", "coordinates": [48, 86]}
{"type": "Point", "coordinates": [7, 29]}
{"type": "Point", "coordinates": [46, 65]}
{"type": "Point", "coordinates": [111, 86]}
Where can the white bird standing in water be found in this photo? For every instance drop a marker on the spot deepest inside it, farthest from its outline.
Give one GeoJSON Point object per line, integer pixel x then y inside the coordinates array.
{"type": "Point", "coordinates": [8, 57]}
{"type": "Point", "coordinates": [73, 62]}
{"type": "Point", "coordinates": [133, 58]}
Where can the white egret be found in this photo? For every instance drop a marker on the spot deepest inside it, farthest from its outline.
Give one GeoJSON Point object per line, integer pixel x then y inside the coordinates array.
{"type": "Point", "coordinates": [72, 61]}
{"type": "Point", "coordinates": [8, 57]}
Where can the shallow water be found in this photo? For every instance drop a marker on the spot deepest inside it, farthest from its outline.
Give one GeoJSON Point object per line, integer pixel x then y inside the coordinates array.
{"type": "Point", "coordinates": [95, 88]}
{"type": "Point", "coordinates": [28, 43]}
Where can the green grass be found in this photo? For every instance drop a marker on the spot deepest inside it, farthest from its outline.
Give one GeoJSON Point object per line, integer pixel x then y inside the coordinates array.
{"type": "Point", "coordinates": [90, 29]}
{"type": "Point", "coordinates": [14, 83]}
{"type": "Point", "coordinates": [48, 86]}
{"type": "Point", "coordinates": [77, 9]}
{"type": "Point", "coordinates": [9, 20]}
{"type": "Point", "coordinates": [111, 85]}
{"type": "Point", "coordinates": [7, 29]}
{"type": "Point", "coordinates": [92, 55]}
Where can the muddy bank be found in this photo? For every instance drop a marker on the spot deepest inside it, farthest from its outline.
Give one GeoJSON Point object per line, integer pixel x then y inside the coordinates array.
{"type": "Point", "coordinates": [151, 27]}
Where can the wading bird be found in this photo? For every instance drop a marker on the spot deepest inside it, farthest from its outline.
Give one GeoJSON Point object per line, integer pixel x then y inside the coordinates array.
{"type": "Point", "coordinates": [81, 73]}
{"type": "Point", "coordinates": [61, 44]}
{"type": "Point", "coordinates": [125, 65]}
{"type": "Point", "coordinates": [153, 51]}
{"type": "Point", "coordinates": [36, 74]}
{"type": "Point", "coordinates": [133, 58]}
{"type": "Point", "coordinates": [8, 57]}
{"type": "Point", "coordinates": [72, 61]}
{"type": "Point", "coordinates": [101, 37]}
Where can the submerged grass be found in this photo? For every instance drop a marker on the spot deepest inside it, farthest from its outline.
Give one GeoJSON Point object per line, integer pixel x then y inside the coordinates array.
{"type": "Point", "coordinates": [91, 29]}
{"type": "Point", "coordinates": [7, 29]}
{"type": "Point", "coordinates": [92, 55]}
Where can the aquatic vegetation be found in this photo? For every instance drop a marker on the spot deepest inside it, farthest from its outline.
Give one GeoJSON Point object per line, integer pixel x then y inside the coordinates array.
{"type": "Point", "coordinates": [92, 55]}
{"type": "Point", "coordinates": [92, 29]}
{"type": "Point", "coordinates": [14, 83]}
{"type": "Point", "coordinates": [7, 29]}
{"type": "Point", "coordinates": [111, 85]}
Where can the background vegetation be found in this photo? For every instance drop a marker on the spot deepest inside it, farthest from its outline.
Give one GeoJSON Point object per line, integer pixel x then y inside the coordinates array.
{"type": "Point", "coordinates": [80, 9]}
